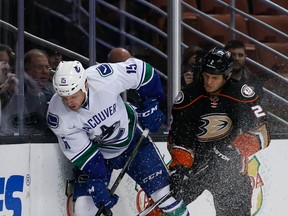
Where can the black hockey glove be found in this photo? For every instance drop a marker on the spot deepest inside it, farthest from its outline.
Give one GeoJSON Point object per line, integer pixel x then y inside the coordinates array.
{"type": "Point", "coordinates": [107, 212]}
{"type": "Point", "coordinates": [182, 161]}
{"type": "Point", "coordinates": [177, 175]}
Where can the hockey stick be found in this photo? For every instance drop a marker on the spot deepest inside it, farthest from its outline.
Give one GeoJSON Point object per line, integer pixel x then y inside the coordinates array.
{"type": "Point", "coordinates": [168, 195]}
{"type": "Point", "coordinates": [126, 166]}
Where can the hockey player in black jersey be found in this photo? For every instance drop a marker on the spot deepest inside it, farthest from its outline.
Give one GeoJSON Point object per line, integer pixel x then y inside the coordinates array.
{"type": "Point", "coordinates": [216, 125]}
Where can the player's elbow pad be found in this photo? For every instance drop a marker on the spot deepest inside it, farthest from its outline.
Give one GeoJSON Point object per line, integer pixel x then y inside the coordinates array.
{"type": "Point", "coordinates": [181, 156]}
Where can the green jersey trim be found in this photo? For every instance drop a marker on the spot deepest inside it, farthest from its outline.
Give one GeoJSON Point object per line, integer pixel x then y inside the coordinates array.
{"type": "Point", "coordinates": [94, 147]}
{"type": "Point", "coordinates": [148, 74]}
{"type": "Point", "coordinates": [88, 153]}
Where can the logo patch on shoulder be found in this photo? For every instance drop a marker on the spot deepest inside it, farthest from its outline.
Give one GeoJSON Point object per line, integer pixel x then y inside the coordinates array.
{"type": "Point", "coordinates": [104, 70]}
{"type": "Point", "coordinates": [52, 120]}
{"type": "Point", "coordinates": [179, 98]}
{"type": "Point", "coordinates": [247, 91]}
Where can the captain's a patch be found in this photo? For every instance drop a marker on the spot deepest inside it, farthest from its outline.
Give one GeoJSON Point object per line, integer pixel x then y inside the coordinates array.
{"type": "Point", "coordinates": [247, 91]}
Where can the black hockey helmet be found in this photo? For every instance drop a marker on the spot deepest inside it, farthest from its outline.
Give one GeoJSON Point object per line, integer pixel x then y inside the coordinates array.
{"type": "Point", "coordinates": [217, 61]}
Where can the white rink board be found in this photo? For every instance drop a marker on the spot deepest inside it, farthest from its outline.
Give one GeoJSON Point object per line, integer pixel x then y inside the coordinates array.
{"type": "Point", "coordinates": [37, 174]}
{"type": "Point", "coordinates": [44, 171]}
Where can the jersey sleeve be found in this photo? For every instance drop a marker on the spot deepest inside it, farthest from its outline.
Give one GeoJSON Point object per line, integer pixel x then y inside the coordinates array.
{"type": "Point", "coordinates": [151, 86]}
{"type": "Point", "coordinates": [251, 113]}
{"type": "Point", "coordinates": [131, 74]}
{"type": "Point", "coordinates": [252, 123]}
{"type": "Point", "coordinates": [72, 140]}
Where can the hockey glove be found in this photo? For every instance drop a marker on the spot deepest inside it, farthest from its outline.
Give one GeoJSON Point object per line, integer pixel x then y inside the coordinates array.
{"type": "Point", "coordinates": [247, 144]}
{"type": "Point", "coordinates": [177, 176]}
{"type": "Point", "coordinates": [151, 116]}
{"type": "Point", "coordinates": [106, 212]}
{"type": "Point", "coordinates": [182, 161]}
{"type": "Point", "coordinates": [100, 194]}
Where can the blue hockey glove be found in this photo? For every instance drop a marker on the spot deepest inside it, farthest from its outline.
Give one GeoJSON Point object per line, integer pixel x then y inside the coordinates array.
{"type": "Point", "coordinates": [151, 116]}
{"type": "Point", "coordinates": [100, 194]}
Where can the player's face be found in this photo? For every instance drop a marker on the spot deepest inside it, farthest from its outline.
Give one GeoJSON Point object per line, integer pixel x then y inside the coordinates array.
{"type": "Point", "coordinates": [74, 102]}
{"type": "Point", "coordinates": [212, 82]}
{"type": "Point", "coordinates": [239, 57]}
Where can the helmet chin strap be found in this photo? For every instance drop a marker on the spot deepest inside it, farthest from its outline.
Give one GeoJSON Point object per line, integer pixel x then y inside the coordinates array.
{"type": "Point", "coordinates": [85, 93]}
{"type": "Point", "coordinates": [85, 97]}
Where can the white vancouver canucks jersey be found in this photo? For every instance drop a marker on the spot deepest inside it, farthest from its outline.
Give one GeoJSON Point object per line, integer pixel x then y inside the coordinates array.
{"type": "Point", "coordinates": [105, 119]}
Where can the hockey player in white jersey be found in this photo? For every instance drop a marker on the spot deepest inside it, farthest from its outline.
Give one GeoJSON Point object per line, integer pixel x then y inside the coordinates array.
{"type": "Point", "coordinates": [97, 131]}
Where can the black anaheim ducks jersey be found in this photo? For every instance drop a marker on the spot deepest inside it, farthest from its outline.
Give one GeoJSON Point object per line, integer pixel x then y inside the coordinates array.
{"type": "Point", "coordinates": [199, 118]}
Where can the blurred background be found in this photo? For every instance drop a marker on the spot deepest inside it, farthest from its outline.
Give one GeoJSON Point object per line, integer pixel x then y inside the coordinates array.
{"type": "Point", "coordinates": [157, 31]}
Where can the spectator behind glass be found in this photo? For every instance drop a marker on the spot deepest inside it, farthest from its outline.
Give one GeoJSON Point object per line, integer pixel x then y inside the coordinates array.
{"type": "Point", "coordinates": [54, 58]}
{"type": "Point", "coordinates": [190, 69]}
{"type": "Point", "coordinates": [8, 84]}
{"type": "Point", "coordinates": [8, 80]}
{"type": "Point", "coordinates": [35, 105]}
{"type": "Point", "coordinates": [36, 76]}
{"type": "Point", "coordinates": [240, 72]}
{"type": "Point", "coordinates": [6, 54]}
{"type": "Point", "coordinates": [37, 66]}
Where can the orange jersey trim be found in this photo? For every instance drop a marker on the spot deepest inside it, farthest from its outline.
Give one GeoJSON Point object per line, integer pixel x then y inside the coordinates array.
{"type": "Point", "coordinates": [177, 108]}
{"type": "Point", "coordinates": [223, 95]}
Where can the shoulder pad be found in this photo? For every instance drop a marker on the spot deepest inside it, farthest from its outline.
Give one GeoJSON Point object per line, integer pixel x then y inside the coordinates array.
{"type": "Point", "coordinates": [240, 91]}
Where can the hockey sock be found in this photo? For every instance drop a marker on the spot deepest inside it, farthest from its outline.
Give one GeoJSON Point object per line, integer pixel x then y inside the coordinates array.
{"type": "Point", "coordinates": [178, 208]}
{"type": "Point", "coordinates": [170, 207]}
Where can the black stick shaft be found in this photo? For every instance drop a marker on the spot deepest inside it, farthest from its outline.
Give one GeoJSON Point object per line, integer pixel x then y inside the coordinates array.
{"type": "Point", "coordinates": [126, 166]}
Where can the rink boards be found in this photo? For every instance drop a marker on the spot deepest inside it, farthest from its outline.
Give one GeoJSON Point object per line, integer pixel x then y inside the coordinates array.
{"type": "Point", "coordinates": [33, 180]}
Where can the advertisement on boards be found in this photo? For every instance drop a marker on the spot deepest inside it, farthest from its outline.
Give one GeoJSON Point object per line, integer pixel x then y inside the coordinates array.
{"type": "Point", "coordinates": [33, 180]}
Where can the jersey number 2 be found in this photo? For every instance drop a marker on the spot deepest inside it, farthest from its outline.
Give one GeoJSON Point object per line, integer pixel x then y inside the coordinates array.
{"type": "Point", "coordinates": [258, 111]}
